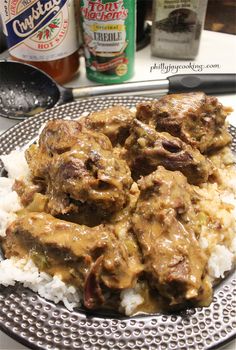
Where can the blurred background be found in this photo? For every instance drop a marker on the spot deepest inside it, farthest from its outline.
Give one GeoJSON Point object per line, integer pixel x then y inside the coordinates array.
{"type": "Point", "coordinates": [220, 17]}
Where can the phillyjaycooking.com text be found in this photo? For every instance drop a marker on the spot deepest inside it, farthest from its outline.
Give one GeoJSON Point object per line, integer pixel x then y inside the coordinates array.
{"type": "Point", "coordinates": [176, 68]}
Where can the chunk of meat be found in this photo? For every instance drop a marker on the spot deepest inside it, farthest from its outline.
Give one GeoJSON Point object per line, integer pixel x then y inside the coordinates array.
{"type": "Point", "coordinates": [83, 170]}
{"type": "Point", "coordinates": [90, 176]}
{"type": "Point", "coordinates": [76, 253]}
{"type": "Point", "coordinates": [26, 190]}
{"type": "Point", "coordinates": [195, 118]}
{"type": "Point", "coordinates": [57, 136]}
{"type": "Point", "coordinates": [114, 122]}
{"type": "Point", "coordinates": [147, 148]}
{"type": "Point", "coordinates": [174, 262]}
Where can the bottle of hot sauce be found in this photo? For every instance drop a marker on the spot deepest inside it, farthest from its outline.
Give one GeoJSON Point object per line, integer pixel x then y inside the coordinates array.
{"type": "Point", "coordinates": [43, 33]}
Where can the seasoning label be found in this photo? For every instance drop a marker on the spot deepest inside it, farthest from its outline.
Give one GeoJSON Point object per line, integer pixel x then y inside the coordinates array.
{"type": "Point", "coordinates": [109, 40]}
{"type": "Point", "coordinates": [177, 27]}
{"type": "Point", "coordinates": [168, 6]}
{"type": "Point", "coordinates": [176, 16]}
{"type": "Point", "coordinates": [39, 30]}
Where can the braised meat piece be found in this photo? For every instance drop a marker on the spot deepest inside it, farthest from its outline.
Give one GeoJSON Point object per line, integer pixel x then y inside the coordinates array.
{"type": "Point", "coordinates": [26, 190]}
{"type": "Point", "coordinates": [195, 118]}
{"type": "Point", "coordinates": [114, 122]}
{"type": "Point", "coordinates": [58, 136]}
{"type": "Point", "coordinates": [88, 258]}
{"type": "Point", "coordinates": [82, 169]}
{"type": "Point", "coordinates": [174, 262]}
{"type": "Point", "coordinates": [147, 148]}
{"type": "Point", "coordinates": [90, 175]}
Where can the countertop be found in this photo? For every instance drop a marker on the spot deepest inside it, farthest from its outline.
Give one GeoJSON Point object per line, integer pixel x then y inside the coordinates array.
{"type": "Point", "coordinates": [217, 54]}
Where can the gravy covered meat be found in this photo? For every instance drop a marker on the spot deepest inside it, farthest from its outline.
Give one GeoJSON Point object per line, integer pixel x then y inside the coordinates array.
{"type": "Point", "coordinates": [173, 259]}
{"type": "Point", "coordinates": [120, 202]}
{"type": "Point", "coordinates": [85, 257]}
{"type": "Point", "coordinates": [147, 148]}
{"type": "Point", "coordinates": [195, 118]}
{"type": "Point", "coordinates": [79, 167]}
{"type": "Point", "coordinates": [114, 122]}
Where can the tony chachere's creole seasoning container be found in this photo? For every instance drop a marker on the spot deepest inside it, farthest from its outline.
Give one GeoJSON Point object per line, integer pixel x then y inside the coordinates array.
{"type": "Point", "coordinates": [177, 27]}
{"type": "Point", "coordinates": [109, 29]}
{"type": "Point", "coordinates": [42, 33]}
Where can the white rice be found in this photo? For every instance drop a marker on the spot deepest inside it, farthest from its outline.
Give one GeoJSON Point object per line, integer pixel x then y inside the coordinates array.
{"type": "Point", "coordinates": [133, 109]}
{"type": "Point", "coordinates": [220, 261]}
{"type": "Point", "coordinates": [5, 220]}
{"type": "Point", "coordinates": [130, 300]}
{"type": "Point", "coordinates": [9, 200]}
{"type": "Point", "coordinates": [9, 204]}
{"type": "Point", "coordinates": [15, 164]}
{"type": "Point", "coordinates": [48, 287]}
{"type": "Point", "coordinates": [216, 203]}
{"type": "Point", "coordinates": [233, 246]}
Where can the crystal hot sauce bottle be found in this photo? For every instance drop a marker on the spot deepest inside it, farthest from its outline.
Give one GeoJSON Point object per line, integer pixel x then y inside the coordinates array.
{"type": "Point", "coordinates": [43, 33]}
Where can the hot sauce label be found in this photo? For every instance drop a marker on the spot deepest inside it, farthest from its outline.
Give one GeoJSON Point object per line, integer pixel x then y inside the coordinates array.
{"type": "Point", "coordinates": [39, 30]}
{"type": "Point", "coordinates": [108, 32]}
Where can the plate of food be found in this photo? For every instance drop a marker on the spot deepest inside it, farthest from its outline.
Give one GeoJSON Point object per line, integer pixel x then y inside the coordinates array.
{"type": "Point", "coordinates": [118, 225]}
